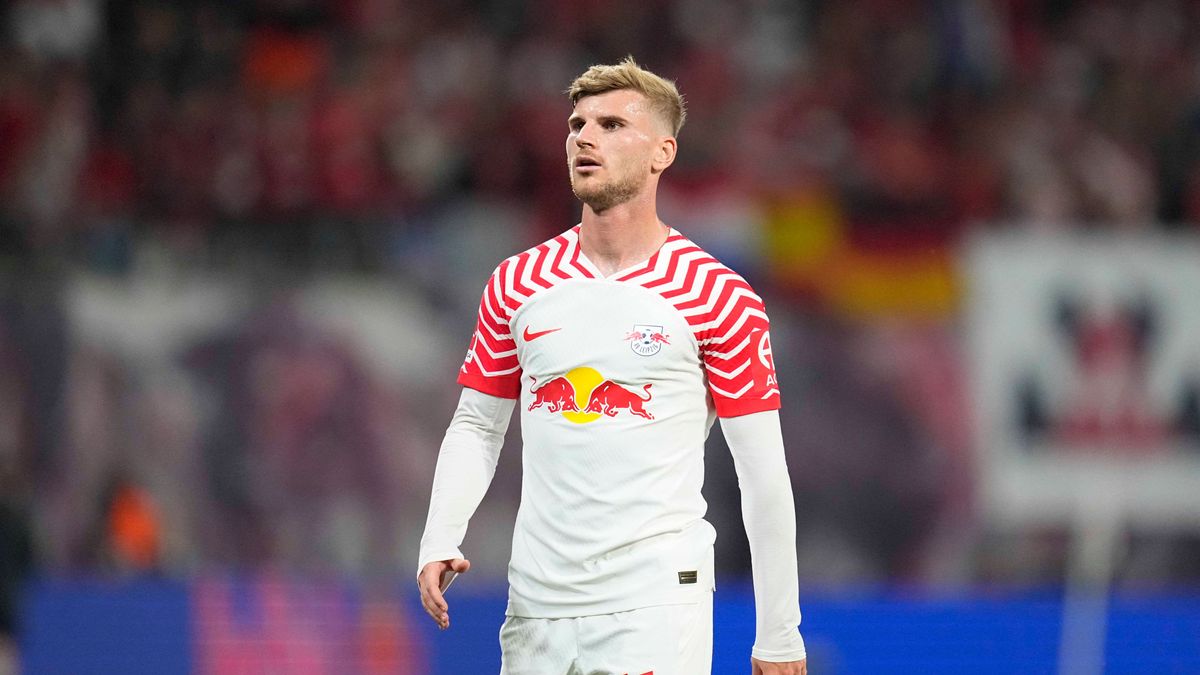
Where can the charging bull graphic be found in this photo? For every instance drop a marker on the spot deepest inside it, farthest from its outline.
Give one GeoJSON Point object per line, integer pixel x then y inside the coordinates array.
{"type": "Point", "coordinates": [558, 394]}
{"type": "Point", "coordinates": [610, 398]}
{"type": "Point", "coordinates": [583, 395]}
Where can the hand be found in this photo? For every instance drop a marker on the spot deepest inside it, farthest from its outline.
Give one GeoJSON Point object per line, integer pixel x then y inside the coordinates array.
{"type": "Point", "coordinates": [783, 668]}
{"type": "Point", "coordinates": [432, 581]}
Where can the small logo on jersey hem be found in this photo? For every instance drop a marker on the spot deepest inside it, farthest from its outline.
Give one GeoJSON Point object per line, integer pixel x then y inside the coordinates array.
{"type": "Point", "coordinates": [647, 340]}
{"type": "Point", "coordinates": [688, 577]}
{"type": "Point", "coordinates": [530, 336]}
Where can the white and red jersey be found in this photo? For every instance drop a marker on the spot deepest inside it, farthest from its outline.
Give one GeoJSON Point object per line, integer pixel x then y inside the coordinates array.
{"type": "Point", "coordinates": [619, 379]}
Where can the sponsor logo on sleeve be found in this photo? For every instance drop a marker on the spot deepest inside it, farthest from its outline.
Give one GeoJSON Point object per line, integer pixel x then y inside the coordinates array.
{"type": "Point", "coordinates": [766, 359]}
{"type": "Point", "coordinates": [470, 353]}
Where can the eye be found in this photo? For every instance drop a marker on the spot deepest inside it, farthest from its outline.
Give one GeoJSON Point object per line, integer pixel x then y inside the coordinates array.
{"type": "Point", "coordinates": [575, 124]}
{"type": "Point", "coordinates": [612, 124]}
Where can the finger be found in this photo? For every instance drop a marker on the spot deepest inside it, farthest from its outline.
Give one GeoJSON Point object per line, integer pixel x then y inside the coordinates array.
{"type": "Point", "coordinates": [460, 565]}
{"type": "Point", "coordinates": [437, 608]}
{"type": "Point", "coordinates": [439, 616]}
{"type": "Point", "coordinates": [430, 586]}
{"type": "Point", "coordinates": [433, 602]}
{"type": "Point", "coordinates": [432, 610]}
{"type": "Point", "coordinates": [423, 588]}
{"type": "Point", "coordinates": [436, 597]}
{"type": "Point", "coordinates": [427, 601]}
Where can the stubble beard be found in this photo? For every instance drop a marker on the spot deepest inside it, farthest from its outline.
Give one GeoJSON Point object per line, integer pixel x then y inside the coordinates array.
{"type": "Point", "coordinates": [607, 195]}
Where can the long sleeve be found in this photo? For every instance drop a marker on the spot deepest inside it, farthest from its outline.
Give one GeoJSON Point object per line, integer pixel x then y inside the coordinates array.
{"type": "Point", "coordinates": [756, 442]}
{"type": "Point", "coordinates": [465, 466]}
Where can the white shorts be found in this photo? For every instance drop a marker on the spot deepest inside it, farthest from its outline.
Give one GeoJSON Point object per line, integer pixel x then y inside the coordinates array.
{"type": "Point", "coordinates": [665, 640]}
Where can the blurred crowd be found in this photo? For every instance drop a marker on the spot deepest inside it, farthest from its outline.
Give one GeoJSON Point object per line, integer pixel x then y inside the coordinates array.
{"type": "Point", "coordinates": [411, 145]}
{"type": "Point", "coordinates": [330, 132]}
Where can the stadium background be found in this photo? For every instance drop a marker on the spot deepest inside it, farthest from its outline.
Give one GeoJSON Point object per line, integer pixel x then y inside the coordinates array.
{"type": "Point", "coordinates": [242, 243]}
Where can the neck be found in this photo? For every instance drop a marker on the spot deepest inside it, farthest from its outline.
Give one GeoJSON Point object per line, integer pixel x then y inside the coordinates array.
{"type": "Point", "coordinates": [623, 235]}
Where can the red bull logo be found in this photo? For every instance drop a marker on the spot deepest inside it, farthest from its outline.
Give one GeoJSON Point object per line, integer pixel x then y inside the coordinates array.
{"type": "Point", "coordinates": [557, 394]}
{"type": "Point", "coordinates": [584, 395]}
{"type": "Point", "coordinates": [610, 398]}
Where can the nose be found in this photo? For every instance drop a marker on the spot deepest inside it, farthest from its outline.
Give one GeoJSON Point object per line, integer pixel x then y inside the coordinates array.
{"type": "Point", "coordinates": [583, 138]}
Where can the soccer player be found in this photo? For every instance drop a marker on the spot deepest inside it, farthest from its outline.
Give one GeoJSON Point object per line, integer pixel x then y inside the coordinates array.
{"type": "Point", "coordinates": [622, 341]}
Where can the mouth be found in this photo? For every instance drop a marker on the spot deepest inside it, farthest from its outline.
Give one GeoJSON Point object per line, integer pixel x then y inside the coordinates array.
{"type": "Point", "coordinates": [586, 164]}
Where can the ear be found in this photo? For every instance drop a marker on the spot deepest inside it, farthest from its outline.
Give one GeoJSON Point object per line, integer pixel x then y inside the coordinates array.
{"type": "Point", "coordinates": [664, 154]}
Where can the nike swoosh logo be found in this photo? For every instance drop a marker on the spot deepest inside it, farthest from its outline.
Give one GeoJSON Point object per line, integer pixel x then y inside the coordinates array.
{"type": "Point", "coordinates": [530, 337]}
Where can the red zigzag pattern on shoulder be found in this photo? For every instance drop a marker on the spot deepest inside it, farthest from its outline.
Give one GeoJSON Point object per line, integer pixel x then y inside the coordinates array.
{"type": "Point", "coordinates": [723, 311]}
{"type": "Point", "coordinates": [515, 281]}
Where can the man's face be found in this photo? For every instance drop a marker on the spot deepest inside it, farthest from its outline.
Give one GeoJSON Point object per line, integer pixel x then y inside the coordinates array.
{"type": "Point", "coordinates": [611, 146]}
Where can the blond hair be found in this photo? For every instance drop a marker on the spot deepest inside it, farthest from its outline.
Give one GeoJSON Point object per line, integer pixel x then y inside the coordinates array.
{"type": "Point", "coordinates": [664, 98]}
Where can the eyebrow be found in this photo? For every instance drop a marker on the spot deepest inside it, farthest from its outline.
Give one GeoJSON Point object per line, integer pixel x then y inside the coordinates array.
{"type": "Point", "coordinates": [601, 119]}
